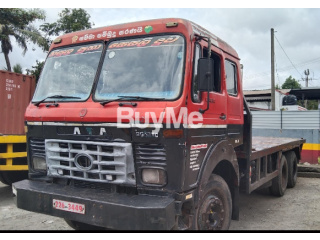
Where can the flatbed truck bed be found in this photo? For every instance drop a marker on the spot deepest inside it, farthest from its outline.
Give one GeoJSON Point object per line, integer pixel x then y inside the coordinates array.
{"type": "Point", "coordinates": [260, 165]}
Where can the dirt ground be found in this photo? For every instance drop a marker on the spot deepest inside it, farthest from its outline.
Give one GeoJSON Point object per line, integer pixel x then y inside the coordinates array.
{"type": "Point", "coordinates": [298, 209]}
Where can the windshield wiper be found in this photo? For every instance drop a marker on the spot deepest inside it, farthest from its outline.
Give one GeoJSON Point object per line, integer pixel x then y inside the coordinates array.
{"type": "Point", "coordinates": [130, 97]}
{"type": "Point", "coordinates": [55, 96]}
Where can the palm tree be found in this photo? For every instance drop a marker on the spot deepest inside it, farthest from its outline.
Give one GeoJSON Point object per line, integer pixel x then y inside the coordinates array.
{"type": "Point", "coordinates": [17, 68]}
{"type": "Point", "coordinates": [16, 23]}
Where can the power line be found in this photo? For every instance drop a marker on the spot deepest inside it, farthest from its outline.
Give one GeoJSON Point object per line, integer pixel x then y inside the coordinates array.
{"type": "Point", "coordinates": [282, 69]}
{"type": "Point", "coordinates": [287, 55]}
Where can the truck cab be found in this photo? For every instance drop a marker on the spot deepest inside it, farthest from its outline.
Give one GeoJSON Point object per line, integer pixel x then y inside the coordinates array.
{"type": "Point", "coordinates": [110, 141]}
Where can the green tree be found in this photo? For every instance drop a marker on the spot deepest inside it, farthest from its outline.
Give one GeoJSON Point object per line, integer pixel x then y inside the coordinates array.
{"type": "Point", "coordinates": [312, 105]}
{"type": "Point", "coordinates": [71, 20]}
{"type": "Point", "coordinates": [17, 68]}
{"type": "Point", "coordinates": [277, 86]}
{"type": "Point", "coordinates": [36, 70]}
{"type": "Point", "coordinates": [16, 22]}
{"type": "Point", "coordinates": [291, 83]}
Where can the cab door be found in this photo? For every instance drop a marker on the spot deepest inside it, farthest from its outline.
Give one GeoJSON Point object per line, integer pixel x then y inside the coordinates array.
{"type": "Point", "coordinates": [215, 116]}
{"type": "Point", "coordinates": [234, 103]}
{"type": "Point", "coordinates": [214, 125]}
{"type": "Point", "coordinates": [234, 98]}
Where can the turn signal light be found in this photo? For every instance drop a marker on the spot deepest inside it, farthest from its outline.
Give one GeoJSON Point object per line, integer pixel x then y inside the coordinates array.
{"type": "Point", "coordinates": [57, 40]}
{"type": "Point", "coordinates": [176, 133]}
{"type": "Point", "coordinates": [171, 24]}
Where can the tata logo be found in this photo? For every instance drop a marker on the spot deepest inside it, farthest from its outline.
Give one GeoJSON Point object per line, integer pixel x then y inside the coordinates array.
{"type": "Point", "coordinates": [83, 112]}
{"type": "Point", "coordinates": [88, 131]}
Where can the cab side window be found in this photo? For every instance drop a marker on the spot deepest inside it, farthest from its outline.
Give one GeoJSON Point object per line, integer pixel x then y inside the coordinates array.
{"type": "Point", "coordinates": [216, 70]}
{"type": "Point", "coordinates": [231, 78]}
{"type": "Point", "coordinates": [195, 92]}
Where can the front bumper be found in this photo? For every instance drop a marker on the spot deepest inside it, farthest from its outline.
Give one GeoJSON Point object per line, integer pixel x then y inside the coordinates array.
{"type": "Point", "coordinates": [110, 210]}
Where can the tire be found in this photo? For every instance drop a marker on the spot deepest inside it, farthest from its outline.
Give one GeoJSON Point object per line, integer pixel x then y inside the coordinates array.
{"type": "Point", "coordinates": [79, 226]}
{"type": "Point", "coordinates": [215, 208]}
{"type": "Point", "coordinates": [10, 177]}
{"type": "Point", "coordinates": [279, 183]}
{"type": "Point", "coordinates": [292, 168]}
{"type": "Point", "coordinates": [2, 179]}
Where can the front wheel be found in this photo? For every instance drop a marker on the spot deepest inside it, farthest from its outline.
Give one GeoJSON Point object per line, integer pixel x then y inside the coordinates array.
{"type": "Point", "coordinates": [215, 207]}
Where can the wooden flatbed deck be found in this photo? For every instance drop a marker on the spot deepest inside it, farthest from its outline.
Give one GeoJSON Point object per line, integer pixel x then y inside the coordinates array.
{"type": "Point", "coordinates": [265, 155]}
{"type": "Point", "coordinates": [262, 146]}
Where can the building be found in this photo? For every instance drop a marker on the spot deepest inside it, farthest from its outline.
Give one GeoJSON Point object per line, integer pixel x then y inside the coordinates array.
{"type": "Point", "coordinates": [260, 100]}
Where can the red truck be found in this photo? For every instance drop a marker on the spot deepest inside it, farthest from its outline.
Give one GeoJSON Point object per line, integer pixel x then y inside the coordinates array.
{"type": "Point", "coordinates": [139, 126]}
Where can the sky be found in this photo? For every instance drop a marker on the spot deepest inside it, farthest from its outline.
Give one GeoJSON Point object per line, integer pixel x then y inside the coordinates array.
{"type": "Point", "coordinates": [247, 30]}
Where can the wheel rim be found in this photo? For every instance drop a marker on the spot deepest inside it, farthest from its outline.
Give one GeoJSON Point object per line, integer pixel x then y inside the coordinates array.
{"type": "Point", "coordinates": [211, 214]}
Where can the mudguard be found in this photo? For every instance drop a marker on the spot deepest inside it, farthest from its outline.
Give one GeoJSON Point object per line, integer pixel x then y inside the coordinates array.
{"type": "Point", "coordinates": [223, 150]}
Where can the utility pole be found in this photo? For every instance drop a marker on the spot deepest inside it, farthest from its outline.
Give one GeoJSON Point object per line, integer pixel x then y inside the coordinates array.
{"type": "Point", "coordinates": [273, 107]}
{"type": "Point", "coordinates": [306, 72]}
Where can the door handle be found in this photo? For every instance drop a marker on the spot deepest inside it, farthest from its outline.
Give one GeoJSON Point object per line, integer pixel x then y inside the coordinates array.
{"type": "Point", "coordinates": [223, 116]}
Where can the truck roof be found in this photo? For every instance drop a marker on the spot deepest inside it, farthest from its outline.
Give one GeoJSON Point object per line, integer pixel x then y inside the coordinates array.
{"type": "Point", "coordinates": [141, 28]}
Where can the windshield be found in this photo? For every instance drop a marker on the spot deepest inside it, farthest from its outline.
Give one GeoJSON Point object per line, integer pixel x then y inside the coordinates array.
{"type": "Point", "coordinates": [146, 67]}
{"type": "Point", "coordinates": [69, 72]}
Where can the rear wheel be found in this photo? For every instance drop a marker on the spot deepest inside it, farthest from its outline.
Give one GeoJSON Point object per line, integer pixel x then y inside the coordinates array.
{"type": "Point", "coordinates": [9, 177]}
{"type": "Point", "coordinates": [292, 168]}
{"type": "Point", "coordinates": [2, 179]}
{"type": "Point", "coordinates": [214, 211]}
{"type": "Point", "coordinates": [279, 183]}
{"type": "Point", "coordinates": [82, 226]}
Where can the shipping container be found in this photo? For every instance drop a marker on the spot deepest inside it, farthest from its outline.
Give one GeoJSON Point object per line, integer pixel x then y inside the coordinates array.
{"type": "Point", "coordinates": [16, 91]}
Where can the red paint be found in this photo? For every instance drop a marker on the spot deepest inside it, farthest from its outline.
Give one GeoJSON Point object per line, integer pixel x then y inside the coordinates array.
{"type": "Point", "coordinates": [223, 103]}
{"type": "Point", "coordinates": [310, 156]}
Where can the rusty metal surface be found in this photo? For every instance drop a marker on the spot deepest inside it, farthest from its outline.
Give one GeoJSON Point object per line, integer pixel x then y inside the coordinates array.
{"type": "Point", "coordinates": [262, 143]}
{"type": "Point", "coordinates": [262, 146]}
{"type": "Point", "coordinates": [16, 91]}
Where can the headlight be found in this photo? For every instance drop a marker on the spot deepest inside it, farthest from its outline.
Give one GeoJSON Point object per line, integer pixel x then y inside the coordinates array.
{"type": "Point", "coordinates": [153, 176]}
{"type": "Point", "coordinates": [39, 163]}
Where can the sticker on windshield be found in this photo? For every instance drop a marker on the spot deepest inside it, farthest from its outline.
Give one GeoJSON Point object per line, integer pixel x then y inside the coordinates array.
{"type": "Point", "coordinates": [148, 29]}
{"type": "Point", "coordinates": [61, 53]}
{"type": "Point", "coordinates": [150, 41]}
{"type": "Point", "coordinates": [76, 50]}
{"type": "Point", "coordinates": [111, 54]}
{"type": "Point", "coordinates": [180, 55]}
{"type": "Point", "coordinates": [57, 64]}
{"type": "Point", "coordinates": [74, 39]}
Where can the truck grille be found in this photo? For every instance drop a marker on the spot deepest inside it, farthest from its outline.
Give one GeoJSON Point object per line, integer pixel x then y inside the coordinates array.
{"type": "Point", "coordinates": [150, 153]}
{"type": "Point", "coordinates": [37, 147]}
{"type": "Point", "coordinates": [91, 161]}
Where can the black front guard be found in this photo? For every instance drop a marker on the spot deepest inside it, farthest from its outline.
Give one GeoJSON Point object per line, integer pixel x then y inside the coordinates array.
{"type": "Point", "coordinates": [110, 210]}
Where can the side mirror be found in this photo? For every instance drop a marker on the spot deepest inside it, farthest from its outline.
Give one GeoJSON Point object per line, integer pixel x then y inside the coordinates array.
{"type": "Point", "coordinates": [205, 67]}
